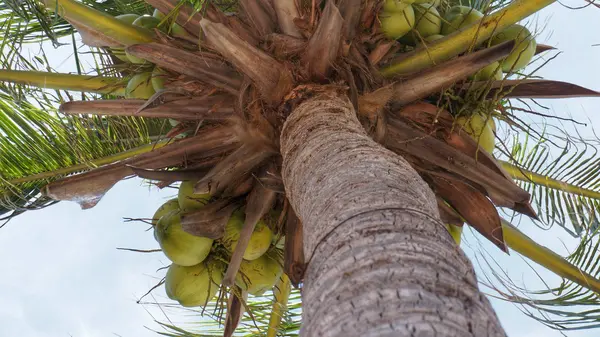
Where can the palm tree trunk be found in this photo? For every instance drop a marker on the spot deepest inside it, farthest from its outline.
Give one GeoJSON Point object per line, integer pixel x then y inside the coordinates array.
{"type": "Point", "coordinates": [380, 261]}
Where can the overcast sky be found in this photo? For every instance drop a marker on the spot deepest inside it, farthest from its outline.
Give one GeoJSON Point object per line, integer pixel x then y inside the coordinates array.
{"type": "Point", "coordinates": [62, 275]}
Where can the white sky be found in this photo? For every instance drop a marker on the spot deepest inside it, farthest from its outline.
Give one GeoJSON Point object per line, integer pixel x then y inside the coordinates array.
{"type": "Point", "coordinates": [62, 275]}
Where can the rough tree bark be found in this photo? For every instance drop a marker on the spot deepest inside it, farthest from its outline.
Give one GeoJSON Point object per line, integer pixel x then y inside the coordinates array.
{"type": "Point", "coordinates": [380, 261]}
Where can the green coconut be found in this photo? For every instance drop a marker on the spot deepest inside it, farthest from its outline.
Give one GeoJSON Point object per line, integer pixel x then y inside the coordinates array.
{"type": "Point", "coordinates": [492, 71]}
{"type": "Point", "coordinates": [188, 201]}
{"type": "Point", "coordinates": [194, 286]}
{"type": "Point", "coordinates": [158, 14]}
{"type": "Point", "coordinates": [435, 3]}
{"type": "Point", "coordinates": [432, 38]}
{"type": "Point", "coordinates": [260, 241]}
{"type": "Point", "coordinates": [427, 20]}
{"type": "Point", "coordinates": [120, 52]}
{"type": "Point", "coordinates": [459, 17]}
{"type": "Point", "coordinates": [148, 22]}
{"type": "Point", "coordinates": [481, 128]}
{"type": "Point", "coordinates": [396, 6]}
{"type": "Point", "coordinates": [129, 18]}
{"type": "Point", "coordinates": [166, 208]}
{"type": "Point", "coordinates": [524, 50]}
{"type": "Point", "coordinates": [179, 246]}
{"type": "Point", "coordinates": [158, 79]}
{"type": "Point", "coordinates": [260, 275]}
{"type": "Point", "coordinates": [140, 86]}
{"type": "Point", "coordinates": [397, 24]}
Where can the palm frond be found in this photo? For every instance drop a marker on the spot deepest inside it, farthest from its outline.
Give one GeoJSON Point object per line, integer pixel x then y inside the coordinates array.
{"type": "Point", "coordinates": [254, 323]}
{"type": "Point", "coordinates": [562, 178]}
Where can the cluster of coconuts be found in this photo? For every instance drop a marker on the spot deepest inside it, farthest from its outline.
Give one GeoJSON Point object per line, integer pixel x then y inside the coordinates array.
{"type": "Point", "coordinates": [195, 275]}
{"type": "Point", "coordinates": [415, 22]}
{"type": "Point", "coordinates": [143, 85]}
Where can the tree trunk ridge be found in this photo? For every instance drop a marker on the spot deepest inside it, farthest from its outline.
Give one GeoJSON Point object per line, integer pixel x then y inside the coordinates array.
{"type": "Point", "coordinates": [368, 216]}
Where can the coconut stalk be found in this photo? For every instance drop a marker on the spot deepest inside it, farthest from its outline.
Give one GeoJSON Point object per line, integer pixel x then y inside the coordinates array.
{"type": "Point", "coordinates": [100, 23]}
{"type": "Point", "coordinates": [542, 180]}
{"type": "Point", "coordinates": [57, 81]}
{"type": "Point", "coordinates": [546, 258]}
{"type": "Point", "coordinates": [281, 294]}
{"type": "Point", "coordinates": [464, 39]}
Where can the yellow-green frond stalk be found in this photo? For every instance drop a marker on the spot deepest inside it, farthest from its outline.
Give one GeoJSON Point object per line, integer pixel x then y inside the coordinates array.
{"type": "Point", "coordinates": [281, 292]}
{"type": "Point", "coordinates": [100, 23]}
{"type": "Point", "coordinates": [538, 179]}
{"type": "Point", "coordinates": [460, 41]}
{"type": "Point", "coordinates": [56, 81]}
{"type": "Point", "coordinates": [91, 164]}
{"type": "Point", "coordinates": [546, 258]}
{"type": "Point", "coordinates": [455, 232]}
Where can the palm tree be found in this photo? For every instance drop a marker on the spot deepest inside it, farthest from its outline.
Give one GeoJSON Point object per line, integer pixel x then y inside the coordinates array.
{"type": "Point", "coordinates": [309, 109]}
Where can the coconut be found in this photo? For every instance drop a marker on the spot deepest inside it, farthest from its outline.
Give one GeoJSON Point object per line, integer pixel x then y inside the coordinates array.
{"type": "Point", "coordinates": [260, 275]}
{"type": "Point", "coordinates": [396, 6]}
{"type": "Point", "coordinates": [397, 24]}
{"type": "Point", "coordinates": [492, 71]}
{"type": "Point", "coordinates": [435, 3]}
{"type": "Point", "coordinates": [158, 14]}
{"type": "Point", "coordinates": [158, 79]}
{"type": "Point", "coordinates": [140, 86]}
{"type": "Point", "coordinates": [194, 286]}
{"type": "Point", "coordinates": [427, 20]}
{"type": "Point", "coordinates": [524, 50]}
{"type": "Point", "coordinates": [179, 246]}
{"type": "Point", "coordinates": [481, 128]}
{"type": "Point", "coordinates": [459, 17]}
{"type": "Point", "coordinates": [188, 201]}
{"type": "Point", "coordinates": [166, 208]}
{"type": "Point", "coordinates": [259, 241]}
{"type": "Point", "coordinates": [120, 52]}
{"type": "Point", "coordinates": [128, 18]}
{"type": "Point", "coordinates": [148, 22]}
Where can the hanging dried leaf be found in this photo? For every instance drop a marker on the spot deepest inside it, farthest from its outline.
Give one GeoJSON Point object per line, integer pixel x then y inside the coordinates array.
{"type": "Point", "coordinates": [270, 77]}
{"type": "Point", "coordinates": [534, 89]}
{"type": "Point", "coordinates": [260, 15]}
{"type": "Point", "coordinates": [233, 168]}
{"type": "Point", "coordinates": [351, 10]}
{"type": "Point", "coordinates": [235, 310]}
{"type": "Point", "coordinates": [473, 206]}
{"type": "Point", "coordinates": [540, 48]}
{"type": "Point", "coordinates": [216, 107]}
{"type": "Point", "coordinates": [287, 12]}
{"type": "Point", "coordinates": [294, 265]}
{"type": "Point", "coordinates": [89, 187]}
{"type": "Point", "coordinates": [258, 203]}
{"type": "Point", "coordinates": [324, 44]}
{"type": "Point", "coordinates": [441, 76]}
{"type": "Point", "coordinates": [404, 139]}
{"type": "Point", "coordinates": [210, 220]}
{"type": "Point", "coordinates": [447, 214]}
{"type": "Point", "coordinates": [202, 66]}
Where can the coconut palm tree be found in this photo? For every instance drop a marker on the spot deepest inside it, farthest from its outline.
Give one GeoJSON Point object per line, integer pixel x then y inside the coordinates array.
{"type": "Point", "coordinates": [366, 146]}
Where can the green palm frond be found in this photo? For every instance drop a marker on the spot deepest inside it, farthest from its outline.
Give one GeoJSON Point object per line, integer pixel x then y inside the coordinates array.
{"type": "Point", "coordinates": [566, 306]}
{"type": "Point", "coordinates": [256, 324]}
{"type": "Point", "coordinates": [29, 21]}
{"type": "Point", "coordinates": [569, 195]}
